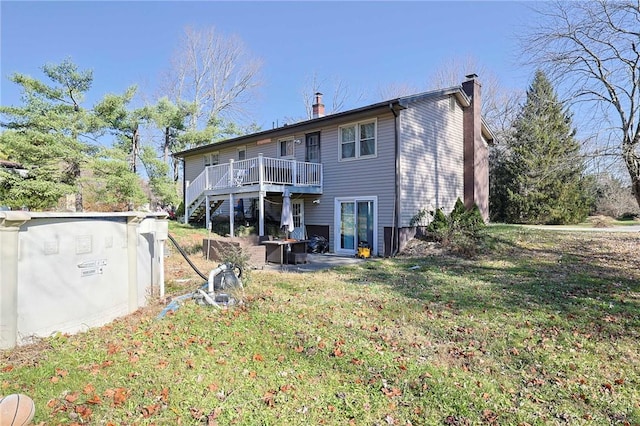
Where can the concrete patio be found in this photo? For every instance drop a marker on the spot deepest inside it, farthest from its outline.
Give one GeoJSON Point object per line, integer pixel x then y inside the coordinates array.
{"type": "Point", "coordinates": [315, 262]}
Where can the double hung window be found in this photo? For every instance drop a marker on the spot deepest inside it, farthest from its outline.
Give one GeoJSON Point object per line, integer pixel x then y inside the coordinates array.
{"type": "Point", "coordinates": [358, 140]}
{"type": "Point", "coordinates": [242, 153]}
{"type": "Point", "coordinates": [211, 159]}
{"type": "Point", "coordinates": [285, 148]}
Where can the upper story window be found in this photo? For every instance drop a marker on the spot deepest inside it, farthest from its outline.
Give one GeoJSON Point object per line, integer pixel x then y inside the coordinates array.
{"type": "Point", "coordinates": [358, 140]}
{"type": "Point", "coordinates": [285, 147]}
{"type": "Point", "coordinates": [211, 159]}
{"type": "Point", "coordinates": [242, 153]}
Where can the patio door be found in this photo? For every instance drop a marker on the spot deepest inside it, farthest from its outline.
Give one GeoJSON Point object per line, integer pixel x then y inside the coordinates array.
{"type": "Point", "coordinates": [297, 208]}
{"type": "Point", "coordinates": [355, 223]}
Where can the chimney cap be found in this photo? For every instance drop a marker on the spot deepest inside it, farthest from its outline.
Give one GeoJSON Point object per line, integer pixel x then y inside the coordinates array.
{"type": "Point", "coordinates": [472, 76]}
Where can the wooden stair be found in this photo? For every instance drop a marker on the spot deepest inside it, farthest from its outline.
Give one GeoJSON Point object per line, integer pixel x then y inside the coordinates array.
{"type": "Point", "coordinates": [198, 213]}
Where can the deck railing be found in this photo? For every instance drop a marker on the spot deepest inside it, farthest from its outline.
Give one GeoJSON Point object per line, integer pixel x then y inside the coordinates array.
{"type": "Point", "coordinates": [254, 171]}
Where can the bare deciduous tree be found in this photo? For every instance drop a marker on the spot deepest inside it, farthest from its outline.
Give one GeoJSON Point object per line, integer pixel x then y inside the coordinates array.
{"type": "Point", "coordinates": [499, 104]}
{"type": "Point", "coordinates": [396, 90]}
{"type": "Point", "coordinates": [214, 74]}
{"type": "Point", "coordinates": [592, 50]}
{"type": "Point", "coordinates": [336, 88]}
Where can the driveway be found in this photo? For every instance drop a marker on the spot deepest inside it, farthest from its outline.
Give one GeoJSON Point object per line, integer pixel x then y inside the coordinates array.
{"type": "Point", "coordinates": [628, 228]}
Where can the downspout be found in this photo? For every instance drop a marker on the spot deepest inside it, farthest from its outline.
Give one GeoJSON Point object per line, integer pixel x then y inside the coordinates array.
{"type": "Point", "coordinates": [395, 240]}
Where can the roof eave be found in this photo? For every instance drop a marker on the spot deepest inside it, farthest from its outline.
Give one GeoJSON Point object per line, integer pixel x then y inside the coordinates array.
{"type": "Point", "coordinates": [398, 103]}
{"type": "Point", "coordinates": [488, 133]}
{"type": "Point", "coordinates": [287, 129]}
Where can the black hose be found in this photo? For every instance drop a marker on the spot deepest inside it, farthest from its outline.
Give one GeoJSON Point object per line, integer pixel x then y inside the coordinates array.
{"type": "Point", "coordinates": [182, 252]}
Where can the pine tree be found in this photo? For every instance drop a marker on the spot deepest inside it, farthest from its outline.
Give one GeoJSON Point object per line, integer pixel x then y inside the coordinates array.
{"type": "Point", "coordinates": [55, 138]}
{"type": "Point", "coordinates": [544, 162]}
{"type": "Point", "coordinates": [50, 136]}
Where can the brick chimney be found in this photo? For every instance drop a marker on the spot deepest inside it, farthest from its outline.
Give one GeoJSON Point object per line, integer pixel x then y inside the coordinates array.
{"type": "Point", "coordinates": [476, 153]}
{"type": "Point", "coordinates": [318, 106]}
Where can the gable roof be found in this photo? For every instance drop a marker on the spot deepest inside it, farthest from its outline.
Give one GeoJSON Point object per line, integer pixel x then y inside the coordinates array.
{"type": "Point", "coordinates": [345, 116]}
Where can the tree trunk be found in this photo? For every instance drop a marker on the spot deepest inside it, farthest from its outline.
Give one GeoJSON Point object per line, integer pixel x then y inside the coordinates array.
{"type": "Point", "coordinates": [135, 140]}
{"type": "Point", "coordinates": [632, 161]}
{"type": "Point", "coordinates": [633, 166]}
{"type": "Point", "coordinates": [79, 207]}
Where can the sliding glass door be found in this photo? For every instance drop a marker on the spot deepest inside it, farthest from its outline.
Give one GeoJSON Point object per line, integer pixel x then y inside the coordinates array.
{"type": "Point", "coordinates": [355, 223]}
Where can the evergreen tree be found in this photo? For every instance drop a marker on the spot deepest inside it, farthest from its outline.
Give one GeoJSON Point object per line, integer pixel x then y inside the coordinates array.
{"type": "Point", "coordinates": [125, 123]}
{"type": "Point", "coordinates": [170, 119]}
{"type": "Point", "coordinates": [54, 137]}
{"type": "Point", "coordinates": [543, 163]}
{"type": "Point", "coordinates": [110, 184]}
{"type": "Point", "coordinates": [500, 177]}
{"type": "Point", "coordinates": [51, 136]}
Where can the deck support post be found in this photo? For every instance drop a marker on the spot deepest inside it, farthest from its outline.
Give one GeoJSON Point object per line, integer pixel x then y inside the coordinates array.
{"type": "Point", "coordinates": [207, 212]}
{"type": "Point", "coordinates": [232, 213]}
{"type": "Point", "coordinates": [261, 213]}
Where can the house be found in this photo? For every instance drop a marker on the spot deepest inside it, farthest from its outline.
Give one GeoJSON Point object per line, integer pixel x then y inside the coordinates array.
{"type": "Point", "coordinates": [13, 167]}
{"type": "Point", "coordinates": [355, 176]}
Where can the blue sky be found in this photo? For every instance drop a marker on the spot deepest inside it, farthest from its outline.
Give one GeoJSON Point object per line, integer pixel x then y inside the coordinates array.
{"type": "Point", "coordinates": [368, 45]}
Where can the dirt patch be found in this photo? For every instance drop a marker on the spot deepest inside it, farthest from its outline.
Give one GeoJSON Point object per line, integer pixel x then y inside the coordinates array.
{"type": "Point", "coordinates": [600, 221]}
{"type": "Point", "coordinates": [422, 248]}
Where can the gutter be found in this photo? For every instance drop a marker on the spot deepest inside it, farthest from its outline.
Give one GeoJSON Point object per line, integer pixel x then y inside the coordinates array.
{"type": "Point", "coordinates": [346, 116]}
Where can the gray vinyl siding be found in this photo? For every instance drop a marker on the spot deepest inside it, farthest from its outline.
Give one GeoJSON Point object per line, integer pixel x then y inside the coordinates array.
{"type": "Point", "coordinates": [356, 178]}
{"type": "Point", "coordinates": [366, 177]}
{"type": "Point", "coordinates": [431, 159]}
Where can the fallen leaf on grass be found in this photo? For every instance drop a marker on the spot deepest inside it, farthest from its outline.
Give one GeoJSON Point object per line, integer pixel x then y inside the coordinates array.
{"type": "Point", "coordinates": [84, 412]}
{"type": "Point", "coordinates": [391, 392]}
{"type": "Point", "coordinates": [269, 398]}
{"type": "Point", "coordinates": [150, 410]}
{"type": "Point", "coordinates": [113, 348]}
{"type": "Point", "coordinates": [95, 400]}
{"type": "Point", "coordinates": [72, 397]}
{"type": "Point", "coordinates": [120, 396]}
{"type": "Point", "coordinates": [164, 395]}
{"type": "Point", "coordinates": [490, 417]}
{"type": "Point", "coordinates": [286, 388]}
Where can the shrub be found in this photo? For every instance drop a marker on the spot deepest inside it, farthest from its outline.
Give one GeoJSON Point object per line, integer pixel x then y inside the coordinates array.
{"type": "Point", "coordinates": [459, 231]}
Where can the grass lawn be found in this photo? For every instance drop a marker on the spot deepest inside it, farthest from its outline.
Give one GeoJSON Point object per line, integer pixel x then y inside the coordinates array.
{"type": "Point", "coordinates": [543, 327]}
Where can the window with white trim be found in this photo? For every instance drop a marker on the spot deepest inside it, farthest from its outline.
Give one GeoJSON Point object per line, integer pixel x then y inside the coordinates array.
{"type": "Point", "coordinates": [242, 153]}
{"type": "Point", "coordinates": [211, 159]}
{"type": "Point", "coordinates": [285, 147]}
{"type": "Point", "coordinates": [358, 140]}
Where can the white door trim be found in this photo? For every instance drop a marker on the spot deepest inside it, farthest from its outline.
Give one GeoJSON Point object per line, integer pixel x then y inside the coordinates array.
{"type": "Point", "coordinates": [298, 231]}
{"type": "Point", "coordinates": [337, 223]}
